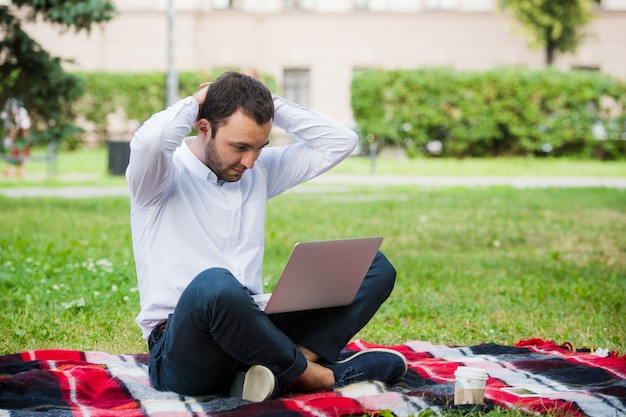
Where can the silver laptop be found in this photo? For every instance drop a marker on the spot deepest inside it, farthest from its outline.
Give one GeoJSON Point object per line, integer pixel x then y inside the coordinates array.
{"type": "Point", "coordinates": [321, 274]}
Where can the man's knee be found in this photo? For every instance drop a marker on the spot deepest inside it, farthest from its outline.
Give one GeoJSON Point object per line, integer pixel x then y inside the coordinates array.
{"type": "Point", "coordinates": [216, 285]}
{"type": "Point", "coordinates": [384, 271]}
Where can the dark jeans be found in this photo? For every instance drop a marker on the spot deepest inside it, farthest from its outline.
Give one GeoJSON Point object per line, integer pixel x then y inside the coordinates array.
{"type": "Point", "coordinates": [217, 329]}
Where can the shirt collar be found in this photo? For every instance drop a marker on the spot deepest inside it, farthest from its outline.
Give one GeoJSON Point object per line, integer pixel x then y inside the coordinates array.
{"type": "Point", "coordinates": [195, 165]}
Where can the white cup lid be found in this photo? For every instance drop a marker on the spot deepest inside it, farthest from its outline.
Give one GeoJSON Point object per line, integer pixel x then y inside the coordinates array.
{"type": "Point", "coordinates": [470, 372]}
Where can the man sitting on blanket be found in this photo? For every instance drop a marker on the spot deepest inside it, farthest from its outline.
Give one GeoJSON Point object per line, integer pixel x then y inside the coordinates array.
{"type": "Point", "coordinates": [197, 220]}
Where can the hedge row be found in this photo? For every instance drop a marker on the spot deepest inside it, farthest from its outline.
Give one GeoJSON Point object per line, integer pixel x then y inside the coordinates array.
{"type": "Point", "coordinates": [498, 112]}
{"type": "Point", "coordinates": [137, 95]}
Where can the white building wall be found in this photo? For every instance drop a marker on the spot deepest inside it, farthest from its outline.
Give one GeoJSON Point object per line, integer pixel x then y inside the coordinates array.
{"type": "Point", "coordinates": [331, 40]}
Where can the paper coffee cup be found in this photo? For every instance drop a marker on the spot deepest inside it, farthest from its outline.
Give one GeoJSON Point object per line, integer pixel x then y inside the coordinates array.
{"type": "Point", "coordinates": [469, 387]}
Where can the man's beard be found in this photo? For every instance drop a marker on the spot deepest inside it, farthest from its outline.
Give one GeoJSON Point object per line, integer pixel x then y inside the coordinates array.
{"type": "Point", "coordinates": [223, 173]}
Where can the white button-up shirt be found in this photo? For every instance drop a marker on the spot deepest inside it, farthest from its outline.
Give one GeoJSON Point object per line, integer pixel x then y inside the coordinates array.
{"type": "Point", "coordinates": [183, 220]}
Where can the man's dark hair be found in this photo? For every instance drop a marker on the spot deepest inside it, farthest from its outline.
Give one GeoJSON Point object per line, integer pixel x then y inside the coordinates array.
{"type": "Point", "coordinates": [233, 92]}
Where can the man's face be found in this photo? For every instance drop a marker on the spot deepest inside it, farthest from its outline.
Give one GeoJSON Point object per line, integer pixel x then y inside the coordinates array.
{"type": "Point", "coordinates": [235, 147]}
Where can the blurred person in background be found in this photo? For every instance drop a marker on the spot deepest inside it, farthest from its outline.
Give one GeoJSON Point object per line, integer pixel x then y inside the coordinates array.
{"type": "Point", "coordinates": [16, 123]}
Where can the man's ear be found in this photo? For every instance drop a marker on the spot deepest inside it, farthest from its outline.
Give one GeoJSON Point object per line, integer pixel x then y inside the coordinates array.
{"type": "Point", "coordinates": [203, 127]}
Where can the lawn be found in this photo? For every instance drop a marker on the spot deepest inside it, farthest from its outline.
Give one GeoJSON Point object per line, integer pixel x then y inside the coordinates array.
{"type": "Point", "coordinates": [474, 265]}
{"type": "Point", "coordinates": [89, 167]}
{"type": "Point", "coordinates": [489, 264]}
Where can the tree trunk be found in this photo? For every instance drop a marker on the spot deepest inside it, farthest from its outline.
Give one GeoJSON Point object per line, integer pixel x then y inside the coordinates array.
{"type": "Point", "coordinates": [550, 48]}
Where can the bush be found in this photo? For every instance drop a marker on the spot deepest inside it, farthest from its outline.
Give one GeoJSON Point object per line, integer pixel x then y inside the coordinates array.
{"type": "Point", "coordinates": [137, 95]}
{"type": "Point", "coordinates": [492, 113]}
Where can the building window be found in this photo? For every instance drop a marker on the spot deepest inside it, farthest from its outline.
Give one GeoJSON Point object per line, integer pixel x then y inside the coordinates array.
{"type": "Point", "coordinates": [586, 67]}
{"type": "Point", "coordinates": [296, 86]}
{"type": "Point", "coordinates": [441, 4]}
{"type": "Point", "coordinates": [373, 5]}
{"type": "Point", "coordinates": [227, 4]}
{"type": "Point", "coordinates": [298, 4]}
{"type": "Point", "coordinates": [361, 4]}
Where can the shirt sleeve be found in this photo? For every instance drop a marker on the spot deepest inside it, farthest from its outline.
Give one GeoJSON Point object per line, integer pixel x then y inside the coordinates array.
{"type": "Point", "coordinates": [151, 149]}
{"type": "Point", "coordinates": [324, 143]}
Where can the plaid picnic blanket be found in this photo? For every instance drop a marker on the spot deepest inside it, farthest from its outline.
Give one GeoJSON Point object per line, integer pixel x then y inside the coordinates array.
{"type": "Point", "coordinates": [562, 382]}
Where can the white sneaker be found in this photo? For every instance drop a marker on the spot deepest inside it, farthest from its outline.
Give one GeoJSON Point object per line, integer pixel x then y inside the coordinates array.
{"type": "Point", "coordinates": [256, 385]}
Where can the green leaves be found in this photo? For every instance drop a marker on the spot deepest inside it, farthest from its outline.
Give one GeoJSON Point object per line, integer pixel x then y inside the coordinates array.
{"type": "Point", "coordinates": [556, 25]}
{"type": "Point", "coordinates": [77, 14]}
{"type": "Point", "coordinates": [492, 113]}
{"type": "Point", "coordinates": [31, 74]}
{"type": "Point", "coordinates": [108, 93]}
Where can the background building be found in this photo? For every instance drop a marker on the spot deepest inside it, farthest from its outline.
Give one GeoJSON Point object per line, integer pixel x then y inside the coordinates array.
{"type": "Point", "coordinates": [312, 47]}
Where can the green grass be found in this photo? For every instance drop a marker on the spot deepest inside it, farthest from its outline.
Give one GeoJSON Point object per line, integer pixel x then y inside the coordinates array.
{"type": "Point", "coordinates": [506, 167]}
{"type": "Point", "coordinates": [475, 265]}
{"type": "Point", "coordinates": [478, 265]}
{"type": "Point", "coordinates": [89, 167]}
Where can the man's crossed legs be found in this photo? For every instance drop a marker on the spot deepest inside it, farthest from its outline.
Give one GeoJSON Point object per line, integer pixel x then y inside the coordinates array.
{"type": "Point", "coordinates": [217, 330]}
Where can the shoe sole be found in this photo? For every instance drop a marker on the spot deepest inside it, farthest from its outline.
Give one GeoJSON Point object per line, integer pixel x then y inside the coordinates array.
{"type": "Point", "coordinates": [383, 350]}
{"type": "Point", "coordinates": [258, 384]}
